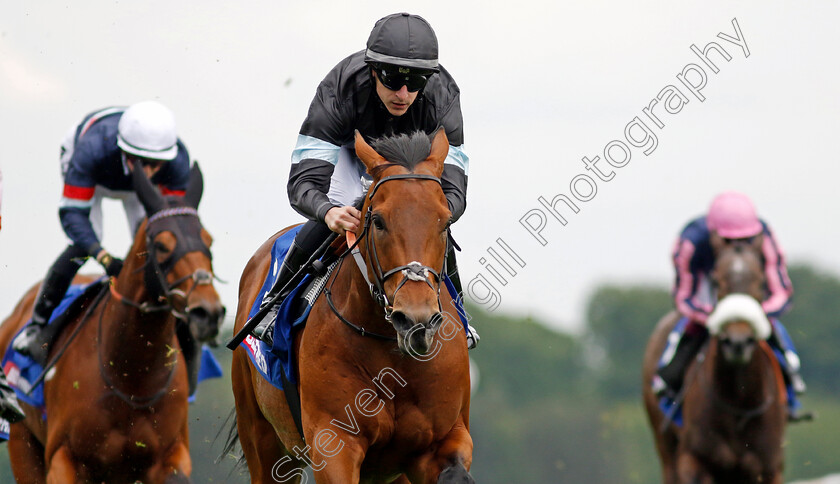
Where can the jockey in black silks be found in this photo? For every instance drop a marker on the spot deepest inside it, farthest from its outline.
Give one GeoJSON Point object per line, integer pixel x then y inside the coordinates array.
{"type": "Point", "coordinates": [395, 86]}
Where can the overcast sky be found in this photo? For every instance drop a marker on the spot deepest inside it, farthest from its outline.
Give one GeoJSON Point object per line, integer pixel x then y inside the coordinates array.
{"type": "Point", "coordinates": [543, 85]}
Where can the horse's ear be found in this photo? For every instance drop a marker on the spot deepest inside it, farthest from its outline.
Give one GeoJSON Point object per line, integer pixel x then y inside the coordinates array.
{"type": "Point", "coordinates": [368, 155]}
{"type": "Point", "coordinates": [757, 242]}
{"type": "Point", "coordinates": [149, 196]}
{"type": "Point", "coordinates": [195, 187]}
{"type": "Point", "coordinates": [440, 149]}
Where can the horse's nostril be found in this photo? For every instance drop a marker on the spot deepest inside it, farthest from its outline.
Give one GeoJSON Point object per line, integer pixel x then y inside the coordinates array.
{"type": "Point", "coordinates": [199, 315]}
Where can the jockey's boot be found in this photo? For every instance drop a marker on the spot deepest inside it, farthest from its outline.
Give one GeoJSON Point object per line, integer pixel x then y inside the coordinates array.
{"type": "Point", "coordinates": [452, 271]}
{"type": "Point", "coordinates": [684, 341]}
{"type": "Point", "coordinates": [295, 258]}
{"type": "Point", "coordinates": [785, 352]}
{"type": "Point", "coordinates": [34, 340]}
{"type": "Point", "coordinates": [9, 408]}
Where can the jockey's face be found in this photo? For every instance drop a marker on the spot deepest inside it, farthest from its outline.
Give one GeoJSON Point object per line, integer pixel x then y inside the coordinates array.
{"type": "Point", "coordinates": [396, 102]}
{"type": "Point", "coordinates": [150, 166]}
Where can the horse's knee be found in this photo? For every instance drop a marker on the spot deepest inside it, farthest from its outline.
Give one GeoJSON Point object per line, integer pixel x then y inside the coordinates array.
{"type": "Point", "coordinates": [61, 468]}
{"type": "Point", "coordinates": [456, 474]}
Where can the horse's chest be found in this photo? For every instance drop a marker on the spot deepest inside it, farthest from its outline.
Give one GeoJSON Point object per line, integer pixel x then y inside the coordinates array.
{"type": "Point", "coordinates": [728, 453]}
{"type": "Point", "coordinates": [132, 440]}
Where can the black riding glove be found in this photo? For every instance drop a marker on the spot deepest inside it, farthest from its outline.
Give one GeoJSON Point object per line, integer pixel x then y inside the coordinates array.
{"type": "Point", "coordinates": [112, 265]}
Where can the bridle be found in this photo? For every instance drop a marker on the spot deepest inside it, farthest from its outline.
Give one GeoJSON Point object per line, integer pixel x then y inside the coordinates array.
{"type": "Point", "coordinates": [413, 271]}
{"type": "Point", "coordinates": [188, 240]}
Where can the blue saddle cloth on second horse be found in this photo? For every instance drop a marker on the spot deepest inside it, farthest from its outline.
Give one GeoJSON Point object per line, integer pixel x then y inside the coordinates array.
{"type": "Point", "coordinates": [22, 371]}
{"type": "Point", "coordinates": [292, 315]}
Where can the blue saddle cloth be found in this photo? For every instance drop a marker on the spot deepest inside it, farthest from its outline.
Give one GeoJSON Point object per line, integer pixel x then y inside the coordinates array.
{"type": "Point", "coordinates": [22, 371]}
{"type": "Point", "coordinates": [291, 316]}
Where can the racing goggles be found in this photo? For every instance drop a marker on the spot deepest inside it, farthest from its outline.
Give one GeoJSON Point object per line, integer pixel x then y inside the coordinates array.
{"type": "Point", "coordinates": [394, 78]}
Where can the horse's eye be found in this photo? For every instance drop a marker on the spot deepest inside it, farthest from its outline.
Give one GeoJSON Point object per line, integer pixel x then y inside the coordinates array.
{"type": "Point", "coordinates": [161, 248]}
{"type": "Point", "coordinates": [378, 223]}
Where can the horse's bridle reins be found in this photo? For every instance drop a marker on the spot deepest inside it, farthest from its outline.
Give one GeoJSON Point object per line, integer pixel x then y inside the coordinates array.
{"type": "Point", "coordinates": [155, 275]}
{"type": "Point", "coordinates": [156, 284]}
{"type": "Point", "coordinates": [413, 271]}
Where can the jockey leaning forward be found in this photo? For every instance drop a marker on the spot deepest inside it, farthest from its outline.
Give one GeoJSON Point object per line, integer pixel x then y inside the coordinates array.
{"type": "Point", "coordinates": [732, 217]}
{"type": "Point", "coordinates": [97, 157]}
{"type": "Point", "coordinates": [9, 408]}
{"type": "Point", "coordinates": [395, 86]}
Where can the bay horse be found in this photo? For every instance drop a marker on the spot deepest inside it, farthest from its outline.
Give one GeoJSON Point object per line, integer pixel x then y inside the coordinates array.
{"type": "Point", "coordinates": [116, 403]}
{"type": "Point", "coordinates": [734, 405]}
{"type": "Point", "coordinates": [370, 411]}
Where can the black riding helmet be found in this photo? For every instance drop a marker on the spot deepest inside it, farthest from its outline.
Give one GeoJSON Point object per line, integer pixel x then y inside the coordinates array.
{"type": "Point", "coordinates": [403, 40]}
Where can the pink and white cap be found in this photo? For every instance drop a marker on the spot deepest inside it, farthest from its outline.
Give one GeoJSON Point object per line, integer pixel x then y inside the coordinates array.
{"type": "Point", "coordinates": [732, 215]}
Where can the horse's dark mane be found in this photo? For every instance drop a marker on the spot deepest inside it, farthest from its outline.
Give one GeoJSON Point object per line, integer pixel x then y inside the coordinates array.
{"type": "Point", "coordinates": [406, 150]}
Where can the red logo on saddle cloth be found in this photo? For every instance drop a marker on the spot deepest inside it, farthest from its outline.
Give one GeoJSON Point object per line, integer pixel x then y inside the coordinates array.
{"type": "Point", "coordinates": [253, 345]}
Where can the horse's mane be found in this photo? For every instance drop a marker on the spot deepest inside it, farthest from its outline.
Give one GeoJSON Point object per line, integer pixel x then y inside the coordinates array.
{"type": "Point", "coordinates": [406, 150]}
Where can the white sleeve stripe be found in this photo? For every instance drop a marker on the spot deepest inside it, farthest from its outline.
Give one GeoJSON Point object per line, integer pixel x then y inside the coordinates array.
{"type": "Point", "coordinates": [74, 203]}
{"type": "Point", "coordinates": [458, 158]}
{"type": "Point", "coordinates": [310, 147]}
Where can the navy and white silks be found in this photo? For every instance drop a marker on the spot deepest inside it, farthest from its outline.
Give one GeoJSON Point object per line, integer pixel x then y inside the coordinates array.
{"type": "Point", "coordinates": [93, 168]}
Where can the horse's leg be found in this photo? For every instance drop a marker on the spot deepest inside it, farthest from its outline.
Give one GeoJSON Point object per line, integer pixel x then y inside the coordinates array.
{"type": "Point", "coordinates": [691, 471]}
{"type": "Point", "coordinates": [62, 470]}
{"type": "Point", "coordinates": [342, 468]}
{"type": "Point", "coordinates": [27, 456]}
{"type": "Point", "coordinates": [666, 445]}
{"type": "Point", "coordinates": [268, 461]}
{"type": "Point", "coordinates": [450, 463]}
{"type": "Point", "coordinates": [175, 468]}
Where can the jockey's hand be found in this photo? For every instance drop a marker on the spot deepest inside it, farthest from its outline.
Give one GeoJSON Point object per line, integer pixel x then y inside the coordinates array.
{"type": "Point", "coordinates": [112, 265]}
{"type": "Point", "coordinates": [339, 219]}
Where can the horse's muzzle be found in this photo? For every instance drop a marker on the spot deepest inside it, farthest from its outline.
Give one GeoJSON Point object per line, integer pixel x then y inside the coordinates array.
{"type": "Point", "coordinates": [205, 320]}
{"type": "Point", "coordinates": [738, 351]}
{"type": "Point", "coordinates": [415, 337]}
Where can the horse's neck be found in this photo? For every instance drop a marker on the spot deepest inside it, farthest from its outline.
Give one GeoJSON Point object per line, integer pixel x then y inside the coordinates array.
{"type": "Point", "coordinates": [739, 383]}
{"type": "Point", "coordinates": [136, 345]}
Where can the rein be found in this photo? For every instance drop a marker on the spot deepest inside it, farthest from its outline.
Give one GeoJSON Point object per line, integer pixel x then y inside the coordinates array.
{"type": "Point", "coordinates": [51, 363]}
{"type": "Point", "coordinates": [413, 271]}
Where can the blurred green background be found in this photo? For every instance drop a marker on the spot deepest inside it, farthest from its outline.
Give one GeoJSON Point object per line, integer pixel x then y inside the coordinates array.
{"type": "Point", "coordinates": [554, 407]}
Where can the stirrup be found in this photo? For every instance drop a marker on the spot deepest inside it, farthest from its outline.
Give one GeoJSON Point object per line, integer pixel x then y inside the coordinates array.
{"type": "Point", "coordinates": [30, 343]}
{"type": "Point", "coordinates": [472, 337]}
{"type": "Point", "coordinates": [264, 330]}
{"type": "Point", "coordinates": [9, 408]}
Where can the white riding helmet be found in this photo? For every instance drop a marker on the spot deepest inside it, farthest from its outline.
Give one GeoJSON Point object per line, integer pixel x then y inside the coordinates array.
{"type": "Point", "coordinates": [147, 129]}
